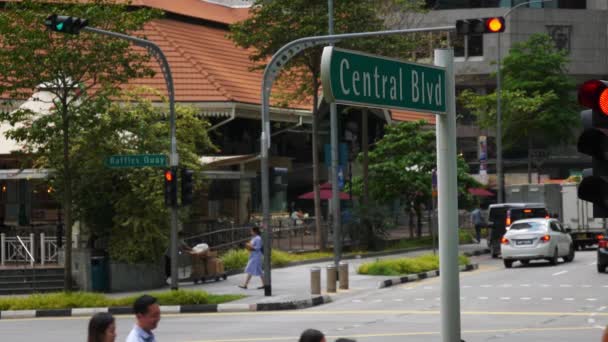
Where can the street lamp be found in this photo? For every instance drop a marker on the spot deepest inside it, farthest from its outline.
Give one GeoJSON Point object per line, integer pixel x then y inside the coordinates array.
{"type": "Point", "coordinates": [499, 172]}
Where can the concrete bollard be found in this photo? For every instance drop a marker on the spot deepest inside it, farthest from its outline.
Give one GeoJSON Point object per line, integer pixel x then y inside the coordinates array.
{"type": "Point", "coordinates": [315, 281]}
{"type": "Point", "coordinates": [343, 275]}
{"type": "Point", "coordinates": [331, 278]}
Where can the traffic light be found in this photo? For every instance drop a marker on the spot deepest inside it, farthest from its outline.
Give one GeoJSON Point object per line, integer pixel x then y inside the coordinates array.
{"type": "Point", "coordinates": [481, 25]}
{"type": "Point", "coordinates": [187, 186]}
{"type": "Point", "coordinates": [170, 188]}
{"type": "Point", "coordinates": [593, 141]}
{"type": "Point", "coordinates": [65, 24]}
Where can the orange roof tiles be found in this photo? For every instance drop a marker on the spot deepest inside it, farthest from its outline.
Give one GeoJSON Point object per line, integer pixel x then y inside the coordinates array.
{"type": "Point", "coordinates": [406, 115]}
{"type": "Point", "coordinates": [198, 9]}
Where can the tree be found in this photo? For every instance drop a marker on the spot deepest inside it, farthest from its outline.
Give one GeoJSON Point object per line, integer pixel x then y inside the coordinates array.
{"type": "Point", "coordinates": [539, 108]}
{"type": "Point", "coordinates": [83, 72]}
{"type": "Point", "coordinates": [401, 166]}
{"type": "Point", "coordinates": [273, 24]}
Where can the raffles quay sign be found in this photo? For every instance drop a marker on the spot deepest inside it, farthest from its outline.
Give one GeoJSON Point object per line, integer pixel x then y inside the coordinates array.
{"type": "Point", "coordinates": [356, 78]}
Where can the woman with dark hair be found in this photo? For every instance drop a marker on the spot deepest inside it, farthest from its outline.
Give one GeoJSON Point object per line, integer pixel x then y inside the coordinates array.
{"type": "Point", "coordinates": [312, 335]}
{"type": "Point", "coordinates": [102, 328]}
{"type": "Point", "coordinates": [254, 265]}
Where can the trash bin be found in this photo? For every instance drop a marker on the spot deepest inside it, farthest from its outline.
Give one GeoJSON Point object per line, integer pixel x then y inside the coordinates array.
{"type": "Point", "coordinates": [99, 274]}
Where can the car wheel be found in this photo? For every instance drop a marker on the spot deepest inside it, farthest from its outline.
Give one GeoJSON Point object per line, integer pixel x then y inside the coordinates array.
{"type": "Point", "coordinates": [570, 256]}
{"type": "Point", "coordinates": [601, 268]}
{"type": "Point", "coordinates": [508, 263]}
{"type": "Point", "coordinates": [553, 260]}
{"type": "Point", "coordinates": [525, 262]}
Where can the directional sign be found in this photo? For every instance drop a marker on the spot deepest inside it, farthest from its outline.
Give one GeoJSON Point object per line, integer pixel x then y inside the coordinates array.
{"type": "Point", "coordinates": [351, 77]}
{"type": "Point", "coordinates": [136, 160]}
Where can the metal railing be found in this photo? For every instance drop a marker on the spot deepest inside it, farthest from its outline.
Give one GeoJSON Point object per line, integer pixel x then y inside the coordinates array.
{"type": "Point", "coordinates": [17, 250]}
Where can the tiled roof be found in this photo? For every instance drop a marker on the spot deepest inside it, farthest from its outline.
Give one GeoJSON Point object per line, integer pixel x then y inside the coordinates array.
{"type": "Point", "coordinates": [198, 9]}
{"type": "Point", "coordinates": [405, 115]}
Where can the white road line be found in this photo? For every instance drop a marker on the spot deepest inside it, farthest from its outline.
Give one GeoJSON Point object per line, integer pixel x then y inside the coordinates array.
{"type": "Point", "coordinates": [545, 285]}
{"type": "Point", "coordinates": [586, 286]}
{"type": "Point", "coordinates": [437, 298]}
{"type": "Point", "coordinates": [591, 321]}
{"type": "Point", "coordinates": [466, 286]}
{"type": "Point", "coordinates": [419, 299]}
{"type": "Point", "coordinates": [558, 273]}
{"type": "Point", "coordinates": [591, 299]}
{"type": "Point", "coordinates": [605, 286]}
{"type": "Point", "coordinates": [357, 300]}
{"type": "Point", "coordinates": [482, 298]}
{"type": "Point", "coordinates": [428, 287]}
{"type": "Point", "coordinates": [398, 300]}
{"type": "Point", "coordinates": [506, 285]}
{"type": "Point", "coordinates": [547, 298]}
{"type": "Point", "coordinates": [525, 285]}
{"type": "Point", "coordinates": [593, 263]}
{"type": "Point", "coordinates": [525, 298]}
{"type": "Point", "coordinates": [602, 308]}
{"type": "Point", "coordinates": [505, 298]}
{"type": "Point", "coordinates": [569, 299]}
{"type": "Point", "coordinates": [376, 300]}
{"type": "Point", "coordinates": [486, 286]}
{"type": "Point", "coordinates": [565, 285]}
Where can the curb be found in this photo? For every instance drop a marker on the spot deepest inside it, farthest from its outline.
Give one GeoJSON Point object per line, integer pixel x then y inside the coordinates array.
{"type": "Point", "coordinates": [423, 275]}
{"type": "Point", "coordinates": [170, 309]}
{"type": "Point", "coordinates": [477, 253]}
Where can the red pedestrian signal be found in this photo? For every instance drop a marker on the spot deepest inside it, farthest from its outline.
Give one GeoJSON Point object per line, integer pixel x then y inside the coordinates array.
{"type": "Point", "coordinates": [169, 176]}
{"type": "Point", "coordinates": [170, 188]}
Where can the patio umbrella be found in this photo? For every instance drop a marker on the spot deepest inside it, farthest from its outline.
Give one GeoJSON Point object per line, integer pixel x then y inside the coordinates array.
{"type": "Point", "coordinates": [481, 192]}
{"type": "Point", "coordinates": [325, 193]}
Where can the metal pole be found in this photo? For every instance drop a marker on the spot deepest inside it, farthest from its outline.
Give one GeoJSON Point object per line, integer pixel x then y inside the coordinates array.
{"type": "Point", "coordinates": [499, 168]}
{"type": "Point", "coordinates": [42, 249]}
{"type": "Point", "coordinates": [335, 190]}
{"type": "Point", "coordinates": [448, 204]}
{"type": "Point", "coordinates": [2, 249]}
{"type": "Point", "coordinates": [157, 53]}
{"type": "Point", "coordinates": [272, 70]}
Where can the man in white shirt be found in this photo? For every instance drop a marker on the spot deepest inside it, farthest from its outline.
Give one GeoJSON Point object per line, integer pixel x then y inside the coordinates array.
{"type": "Point", "coordinates": [147, 313]}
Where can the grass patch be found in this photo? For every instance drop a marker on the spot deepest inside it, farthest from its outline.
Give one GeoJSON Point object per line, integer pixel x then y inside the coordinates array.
{"type": "Point", "coordinates": [464, 236]}
{"type": "Point", "coordinates": [63, 300]}
{"type": "Point", "coordinates": [402, 266]}
{"type": "Point", "coordinates": [236, 259]}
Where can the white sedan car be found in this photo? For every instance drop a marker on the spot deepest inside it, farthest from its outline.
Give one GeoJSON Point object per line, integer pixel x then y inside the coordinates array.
{"type": "Point", "coordinates": [538, 238]}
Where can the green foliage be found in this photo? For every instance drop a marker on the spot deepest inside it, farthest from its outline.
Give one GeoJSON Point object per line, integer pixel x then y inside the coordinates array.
{"type": "Point", "coordinates": [63, 300]}
{"type": "Point", "coordinates": [402, 266]}
{"type": "Point", "coordinates": [236, 259]}
{"type": "Point", "coordinates": [537, 96]}
{"type": "Point", "coordinates": [401, 163]}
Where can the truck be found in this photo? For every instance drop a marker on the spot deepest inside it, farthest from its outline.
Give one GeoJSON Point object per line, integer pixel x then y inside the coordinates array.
{"type": "Point", "coordinates": [561, 200]}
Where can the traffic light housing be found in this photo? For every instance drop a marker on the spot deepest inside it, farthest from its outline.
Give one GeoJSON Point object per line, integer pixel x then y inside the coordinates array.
{"type": "Point", "coordinates": [65, 24]}
{"type": "Point", "coordinates": [187, 186]}
{"type": "Point", "coordinates": [593, 141]}
{"type": "Point", "coordinates": [170, 188]}
{"type": "Point", "coordinates": [480, 25]}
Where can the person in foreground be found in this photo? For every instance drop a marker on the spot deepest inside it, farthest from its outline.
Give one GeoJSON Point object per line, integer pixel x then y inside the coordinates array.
{"type": "Point", "coordinates": [147, 314]}
{"type": "Point", "coordinates": [312, 335]}
{"type": "Point", "coordinates": [102, 328]}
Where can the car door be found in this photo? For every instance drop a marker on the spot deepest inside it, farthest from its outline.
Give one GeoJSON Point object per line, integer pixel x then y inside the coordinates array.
{"type": "Point", "coordinates": [557, 237]}
{"type": "Point", "coordinates": [566, 237]}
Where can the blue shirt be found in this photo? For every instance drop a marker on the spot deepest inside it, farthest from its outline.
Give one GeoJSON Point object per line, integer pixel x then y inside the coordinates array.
{"type": "Point", "coordinates": [476, 217]}
{"type": "Point", "coordinates": [138, 334]}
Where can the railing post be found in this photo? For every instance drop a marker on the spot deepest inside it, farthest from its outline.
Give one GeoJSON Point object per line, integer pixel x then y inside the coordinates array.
{"type": "Point", "coordinates": [42, 249]}
{"type": "Point", "coordinates": [2, 249]}
{"type": "Point", "coordinates": [32, 251]}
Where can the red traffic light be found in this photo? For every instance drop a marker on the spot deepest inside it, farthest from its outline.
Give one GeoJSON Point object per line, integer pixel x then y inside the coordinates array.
{"type": "Point", "coordinates": [169, 176]}
{"type": "Point", "coordinates": [594, 94]}
{"type": "Point", "coordinates": [495, 25]}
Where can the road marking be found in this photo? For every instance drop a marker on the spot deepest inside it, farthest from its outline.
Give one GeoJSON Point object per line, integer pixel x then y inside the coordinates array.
{"type": "Point", "coordinates": [525, 298]}
{"type": "Point", "coordinates": [565, 285]}
{"type": "Point", "coordinates": [428, 287]}
{"type": "Point", "coordinates": [591, 299]}
{"type": "Point", "coordinates": [547, 298]}
{"type": "Point", "coordinates": [486, 286]}
{"type": "Point", "coordinates": [505, 298]}
{"type": "Point", "coordinates": [419, 299]}
{"type": "Point", "coordinates": [569, 299]}
{"type": "Point", "coordinates": [593, 263]}
{"type": "Point", "coordinates": [357, 300]}
{"type": "Point", "coordinates": [602, 308]}
{"type": "Point", "coordinates": [558, 273]}
{"type": "Point", "coordinates": [482, 298]}
{"type": "Point", "coordinates": [525, 285]}
{"type": "Point", "coordinates": [466, 286]}
{"type": "Point", "coordinates": [545, 285]}
{"type": "Point", "coordinates": [591, 321]}
{"type": "Point", "coordinates": [398, 299]}
{"type": "Point", "coordinates": [402, 334]}
{"type": "Point", "coordinates": [586, 286]}
{"type": "Point", "coordinates": [506, 285]}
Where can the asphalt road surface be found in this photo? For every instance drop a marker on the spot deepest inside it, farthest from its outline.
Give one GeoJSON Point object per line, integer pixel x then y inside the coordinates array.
{"type": "Point", "coordinates": [537, 303]}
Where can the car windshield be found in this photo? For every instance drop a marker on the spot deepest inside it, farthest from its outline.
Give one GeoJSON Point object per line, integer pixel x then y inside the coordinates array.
{"type": "Point", "coordinates": [528, 225]}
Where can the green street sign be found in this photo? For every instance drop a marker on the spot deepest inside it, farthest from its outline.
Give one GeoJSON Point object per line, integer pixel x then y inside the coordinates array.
{"type": "Point", "coordinates": [356, 78]}
{"type": "Point", "coordinates": [136, 160]}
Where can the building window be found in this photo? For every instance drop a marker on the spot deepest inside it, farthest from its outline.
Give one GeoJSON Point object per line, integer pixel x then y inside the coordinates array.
{"type": "Point", "coordinates": [467, 46]}
{"type": "Point", "coordinates": [561, 36]}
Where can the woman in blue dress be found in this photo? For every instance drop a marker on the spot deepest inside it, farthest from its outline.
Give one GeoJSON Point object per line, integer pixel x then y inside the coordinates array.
{"type": "Point", "coordinates": [254, 266]}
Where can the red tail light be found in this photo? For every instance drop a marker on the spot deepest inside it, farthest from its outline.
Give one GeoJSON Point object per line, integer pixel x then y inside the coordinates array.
{"type": "Point", "coordinates": [600, 237]}
{"type": "Point", "coordinates": [545, 238]}
{"type": "Point", "coordinates": [504, 241]}
{"type": "Point", "coordinates": [602, 244]}
{"type": "Point", "coordinates": [508, 222]}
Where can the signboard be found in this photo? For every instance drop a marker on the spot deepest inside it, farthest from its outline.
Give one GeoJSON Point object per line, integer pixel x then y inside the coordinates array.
{"type": "Point", "coordinates": [356, 78]}
{"type": "Point", "coordinates": [136, 160]}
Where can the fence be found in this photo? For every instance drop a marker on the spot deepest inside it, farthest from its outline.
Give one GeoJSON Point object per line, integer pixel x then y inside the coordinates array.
{"type": "Point", "coordinates": [15, 252]}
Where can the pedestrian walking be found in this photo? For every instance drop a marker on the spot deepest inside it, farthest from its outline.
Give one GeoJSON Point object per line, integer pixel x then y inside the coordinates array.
{"type": "Point", "coordinates": [254, 265]}
{"type": "Point", "coordinates": [312, 335]}
{"type": "Point", "coordinates": [147, 313]}
{"type": "Point", "coordinates": [477, 219]}
{"type": "Point", "coordinates": [102, 328]}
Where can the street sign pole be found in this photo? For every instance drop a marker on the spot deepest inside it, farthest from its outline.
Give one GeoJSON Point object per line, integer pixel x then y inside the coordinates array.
{"type": "Point", "coordinates": [448, 205]}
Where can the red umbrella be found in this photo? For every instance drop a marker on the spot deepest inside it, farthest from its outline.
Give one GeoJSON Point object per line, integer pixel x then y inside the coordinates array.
{"type": "Point", "coordinates": [481, 192]}
{"type": "Point", "coordinates": [325, 193]}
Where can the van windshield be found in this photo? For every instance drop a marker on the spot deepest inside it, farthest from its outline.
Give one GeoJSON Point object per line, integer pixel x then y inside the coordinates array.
{"type": "Point", "coordinates": [528, 225]}
{"type": "Point", "coordinates": [519, 214]}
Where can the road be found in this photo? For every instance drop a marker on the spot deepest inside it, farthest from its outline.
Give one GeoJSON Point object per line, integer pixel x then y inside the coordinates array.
{"type": "Point", "coordinates": [538, 302]}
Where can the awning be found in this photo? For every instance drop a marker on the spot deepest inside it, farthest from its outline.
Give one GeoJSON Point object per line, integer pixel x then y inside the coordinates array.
{"type": "Point", "coordinates": [481, 192]}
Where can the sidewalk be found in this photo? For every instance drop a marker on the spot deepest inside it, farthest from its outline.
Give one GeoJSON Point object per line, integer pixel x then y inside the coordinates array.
{"type": "Point", "coordinates": [290, 284]}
